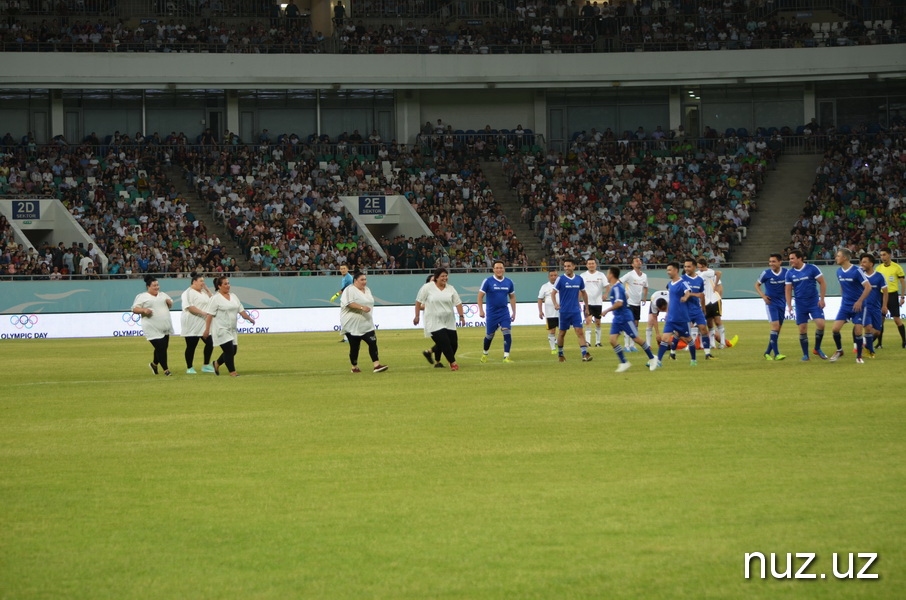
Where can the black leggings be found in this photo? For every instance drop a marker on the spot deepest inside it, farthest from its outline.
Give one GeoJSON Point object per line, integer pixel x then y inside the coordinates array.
{"type": "Point", "coordinates": [160, 351]}
{"type": "Point", "coordinates": [447, 341]}
{"type": "Point", "coordinates": [228, 350]}
{"type": "Point", "coordinates": [192, 343]}
{"type": "Point", "coordinates": [355, 342]}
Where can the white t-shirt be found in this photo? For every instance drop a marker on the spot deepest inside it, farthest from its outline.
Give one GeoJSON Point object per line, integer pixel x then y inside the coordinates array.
{"type": "Point", "coordinates": [594, 287]}
{"type": "Point", "coordinates": [223, 325]}
{"type": "Point", "coordinates": [635, 285]}
{"type": "Point", "coordinates": [158, 324]}
{"type": "Point", "coordinates": [652, 307]}
{"type": "Point", "coordinates": [545, 294]}
{"type": "Point", "coordinates": [193, 325]}
{"type": "Point", "coordinates": [356, 321]}
{"type": "Point", "coordinates": [709, 276]}
{"type": "Point", "coordinates": [439, 305]}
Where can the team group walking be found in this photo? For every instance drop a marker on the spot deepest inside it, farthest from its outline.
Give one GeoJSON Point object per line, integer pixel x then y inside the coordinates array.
{"type": "Point", "coordinates": [686, 314]}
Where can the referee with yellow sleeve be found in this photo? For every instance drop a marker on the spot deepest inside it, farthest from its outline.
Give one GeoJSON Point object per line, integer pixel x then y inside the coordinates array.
{"type": "Point", "coordinates": [896, 293]}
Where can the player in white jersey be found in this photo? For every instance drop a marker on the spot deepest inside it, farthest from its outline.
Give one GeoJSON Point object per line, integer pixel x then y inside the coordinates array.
{"type": "Point", "coordinates": [712, 301]}
{"type": "Point", "coordinates": [636, 284]}
{"type": "Point", "coordinates": [595, 285]}
{"type": "Point", "coordinates": [546, 309]}
{"type": "Point", "coordinates": [656, 309]}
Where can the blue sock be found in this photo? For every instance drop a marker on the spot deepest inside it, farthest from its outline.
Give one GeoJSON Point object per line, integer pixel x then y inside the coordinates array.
{"type": "Point", "coordinates": [487, 342]}
{"type": "Point", "coordinates": [838, 340]}
{"type": "Point", "coordinates": [507, 342]}
{"type": "Point", "coordinates": [803, 341]}
{"type": "Point", "coordinates": [859, 347]}
{"type": "Point", "coordinates": [618, 349]}
{"type": "Point", "coordinates": [692, 350]}
{"type": "Point", "coordinates": [647, 350]}
{"type": "Point", "coordinates": [870, 342]}
{"type": "Point", "coordinates": [584, 350]}
{"type": "Point", "coordinates": [662, 350]}
{"type": "Point", "coordinates": [819, 335]}
{"type": "Point", "coordinates": [775, 336]}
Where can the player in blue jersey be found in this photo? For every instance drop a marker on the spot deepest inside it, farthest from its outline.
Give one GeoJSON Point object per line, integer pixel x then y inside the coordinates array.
{"type": "Point", "coordinates": [567, 294]}
{"type": "Point", "coordinates": [854, 289]}
{"type": "Point", "coordinates": [623, 320]}
{"type": "Point", "coordinates": [501, 295]}
{"type": "Point", "coordinates": [874, 306]}
{"type": "Point", "coordinates": [801, 279]}
{"type": "Point", "coordinates": [677, 323]}
{"type": "Point", "coordinates": [773, 280]}
{"type": "Point", "coordinates": [697, 320]}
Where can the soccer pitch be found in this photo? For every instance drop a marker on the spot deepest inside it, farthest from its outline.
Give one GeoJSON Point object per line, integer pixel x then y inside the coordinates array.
{"type": "Point", "coordinates": [527, 480]}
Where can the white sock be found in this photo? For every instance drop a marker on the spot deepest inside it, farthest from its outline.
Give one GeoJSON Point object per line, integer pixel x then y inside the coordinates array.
{"type": "Point", "coordinates": [597, 334]}
{"type": "Point", "coordinates": [712, 333]}
{"type": "Point", "coordinates": [723, 334]}
{"type": "Point", "coordinates": [648, 335]}
{"type": "Point", "coordinates": [552, 340]}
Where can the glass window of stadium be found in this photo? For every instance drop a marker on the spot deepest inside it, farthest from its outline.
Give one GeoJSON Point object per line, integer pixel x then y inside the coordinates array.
{"type": "Point", "coordinates": [297, 111]}
{"type": "Point", "coordinates": [26, 111]}
{"type": "Point", "coordinates": [750, 107]}
{"type": "Point", "coordinates": [572, 111]}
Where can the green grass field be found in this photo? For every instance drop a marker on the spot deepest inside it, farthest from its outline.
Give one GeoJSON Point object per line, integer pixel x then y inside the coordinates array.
{"type": "Point", "coordinates": [529, 480]}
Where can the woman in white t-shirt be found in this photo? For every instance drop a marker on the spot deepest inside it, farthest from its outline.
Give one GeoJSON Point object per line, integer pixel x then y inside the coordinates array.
{"type": "Point", "coordinates": [356, 318]}
{"type": "Point", "coordinates": [194, 314]}
{"type": "Point", "coordinates": [154, 307]}
{"type": "Point", "coordinates": [438, 300]}
{"type": "Point", "coordinates": [220, 324]}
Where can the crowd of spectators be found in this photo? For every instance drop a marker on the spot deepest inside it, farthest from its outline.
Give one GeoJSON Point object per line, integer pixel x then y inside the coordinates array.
{"type": "Point", "coordinates": [528, 28]}
{"type": "Point", "coordinates": [612, 200]}
{"type": "Point", "coordinates": [122, 199]}
{"type": "Point", "coordinates": [167, 35]}
{"type": "Point", "coordinates": [282, 204]}
{"type": "Point", "coordinates": [858, 200]}
{"type": "Point", "coordinates": [607, 196]}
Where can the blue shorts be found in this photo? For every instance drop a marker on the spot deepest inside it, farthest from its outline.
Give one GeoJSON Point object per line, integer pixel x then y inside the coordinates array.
{"type": "Point", "coordinates": [697, 317]}
{"type": "Point", "coordinates": [804, 313]}
{"type": "Point", "coordinates": [570, 320]}
{"type": "Point", "coordinates": [846, 313]}
{"type": "Point", "coordinates": [677, 328]}
{"type": "Point", "coordinates": [775, 313]}
{"type": "Point", "coordinates": [628, 328]}
{"type": "Point", "coordinates": [873, 319]}
{"type": "Point", "coordinates": [498, 320]}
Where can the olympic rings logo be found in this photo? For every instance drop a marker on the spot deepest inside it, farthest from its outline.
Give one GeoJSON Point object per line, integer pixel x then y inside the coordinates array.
{"type": "Point", "coordinates": [252, 313]}
{"type": "Point", "coordinates": [470, 310]}
{"type": "Point", "coordinates": [23, 321]}
{"type": "Point", "coordinates": [131, 319]}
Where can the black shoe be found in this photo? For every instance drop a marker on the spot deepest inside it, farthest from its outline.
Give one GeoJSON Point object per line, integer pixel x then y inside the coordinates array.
{"type": "Point", "coordinates": [438, 365]}
{"type": "Point", "coordinates": [673, 356]}
{"type": "Point", "coordinates": [428, 357]}
{"type": "Point", "coordinates": [153, 368]}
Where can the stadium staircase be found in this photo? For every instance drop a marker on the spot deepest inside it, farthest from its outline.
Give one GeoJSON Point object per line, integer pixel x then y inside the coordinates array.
{"type": "Point", "coordinates": [780, 203]}
{"type": "Point", "coordinates": [197, 207]}
{"type": "Point", "coordinates": [511, 207]}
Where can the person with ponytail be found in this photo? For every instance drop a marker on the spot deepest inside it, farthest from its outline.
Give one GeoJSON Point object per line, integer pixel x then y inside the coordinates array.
{"type": "Point", "coordinates": [194, 317]}
{"type": "Point", "coordinates": [154, 307]}
{"type": "Point", "coordinates": [220, 324]}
